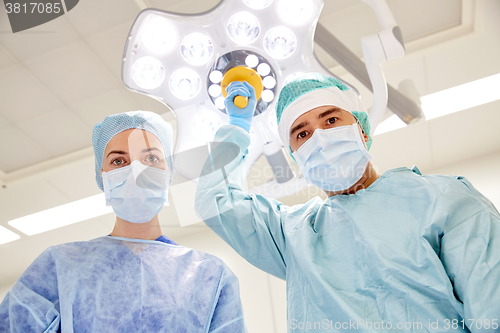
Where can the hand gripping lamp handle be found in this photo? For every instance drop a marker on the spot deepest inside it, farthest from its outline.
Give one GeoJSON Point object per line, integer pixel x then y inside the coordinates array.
{"type": "Point", "coordinates": [242, 73]}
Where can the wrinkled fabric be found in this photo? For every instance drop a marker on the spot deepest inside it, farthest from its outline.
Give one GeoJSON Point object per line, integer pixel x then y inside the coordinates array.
{"type": "Point", "coordinates": [408, 249]}
{"type": "Point", "coordinates": [165, 239]}
{"type": "Point", "coordinates": [313, 90]}
{"type": "Point", "coordinates": [113, 284]}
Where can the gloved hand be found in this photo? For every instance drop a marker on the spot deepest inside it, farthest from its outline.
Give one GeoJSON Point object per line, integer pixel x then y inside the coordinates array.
{"type": "Point", "coordinates": [240, 117]}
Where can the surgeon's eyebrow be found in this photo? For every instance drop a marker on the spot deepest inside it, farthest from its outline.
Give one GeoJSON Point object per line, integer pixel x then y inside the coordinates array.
{"type": "Point", "coordinates": [299, 126]}
{"type": "Point", "coordinates": [329, 112]}
{"type": "Point", "coordinates": [121, 152]}
{"type": "Point", "coordinates": [150, 149]}
{"type": "Point", "coordinates": [321, 115]}
{"type": "Point", "coordinates": [147, 150]}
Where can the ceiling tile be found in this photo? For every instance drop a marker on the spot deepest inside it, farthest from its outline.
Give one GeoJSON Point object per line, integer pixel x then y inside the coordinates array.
{"type": "Point", "coordinates": [77, 175]}
{"type": "Point", "coordinates": [350, 24]}
{"type": "Point", "coordinates": [4, 21]}
{"type": "Point", "coordinates": [18, 150]}
{"type": "Point", "coordinates": [93, 16]}
{"type": "Point", "coordinates": [185, 6]}
{"type": "Point", "coordinates": [416, 19]}
{"type": "Point", "coordinates": [6, 59]}
{"type": "Point", "coordinates": [467, 60]}
{"type": "Point", "coordinates": [72, 72]}
{"type": "Point", "coordinates": [147, 103]}
{"type": "Point", "coordinates": [23, 96]}
{"type": "Point", "coordinates": [163, 4]}
{"type": "Point", "coordinates": [58, 132]}
{"type": "Point", "coordinates": [95, 109]}
{"type": "Point", "coordinates": [424, 17]}
{"type": "Point", "coordinates": [109, 46]}
{"type": "Point", "coordinates": [4, 123]}
{"type": "Point", "coordinates": [39, 40]}
{"type": "Point", "coordinates": [21, 202]}
{"type": "Point", "coordinates": [332, 6]}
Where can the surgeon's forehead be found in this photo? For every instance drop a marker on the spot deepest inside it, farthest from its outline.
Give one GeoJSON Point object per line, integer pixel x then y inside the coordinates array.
{"type": "Point", "coordinates": [133, 139]}
{"type": "Point", "coordinates": [321, 109]}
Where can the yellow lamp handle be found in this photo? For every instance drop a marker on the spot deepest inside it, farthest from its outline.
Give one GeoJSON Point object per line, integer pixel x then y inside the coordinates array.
{"type": "Point", "coordinates": [241, 101]}
{"type": "Point", "coordinates": [242, 73]}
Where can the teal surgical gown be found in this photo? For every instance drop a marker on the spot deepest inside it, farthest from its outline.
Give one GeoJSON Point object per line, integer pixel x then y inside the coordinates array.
{"type": "Point", "coordinates": [113, 284]}
{"type": "Point", "coordinates": [410, 253]}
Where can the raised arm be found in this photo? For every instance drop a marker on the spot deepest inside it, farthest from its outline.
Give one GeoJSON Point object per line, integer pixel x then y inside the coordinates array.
{"type": "Point", "coordinates": [250, 223]}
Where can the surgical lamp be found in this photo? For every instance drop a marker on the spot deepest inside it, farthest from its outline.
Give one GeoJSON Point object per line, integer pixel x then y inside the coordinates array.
{"type": "Point", "coordinates": [187, 60]}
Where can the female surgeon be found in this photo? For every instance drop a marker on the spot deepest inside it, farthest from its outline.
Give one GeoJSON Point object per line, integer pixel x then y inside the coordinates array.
{"type": "Point", "coordinates": [135, 279]}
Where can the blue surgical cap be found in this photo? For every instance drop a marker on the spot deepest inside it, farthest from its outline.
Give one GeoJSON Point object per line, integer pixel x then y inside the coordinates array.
{"type": "Point", "coordinates": [105, 130]}
{"type": "Point", "coordinates": [314, 90]}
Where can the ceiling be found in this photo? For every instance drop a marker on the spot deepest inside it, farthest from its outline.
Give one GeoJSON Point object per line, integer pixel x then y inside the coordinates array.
{"type": "Point", "coordinates": [59, 79]}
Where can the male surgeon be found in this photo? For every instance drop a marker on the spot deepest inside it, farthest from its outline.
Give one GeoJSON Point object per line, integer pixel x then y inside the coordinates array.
{"type": "Point", "coordinates": [397, 252]}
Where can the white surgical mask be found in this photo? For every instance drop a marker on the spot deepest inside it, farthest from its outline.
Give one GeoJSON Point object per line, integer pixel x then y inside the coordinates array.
{"type": "Point", "coordinates": [333, 159]}
{"type": "Point", "coordinates": [136, 192]}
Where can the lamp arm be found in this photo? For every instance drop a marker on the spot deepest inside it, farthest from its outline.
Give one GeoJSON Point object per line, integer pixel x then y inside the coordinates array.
{"type": "Point", "coordinates": [386, 45]}
{"type": "Point", "coordinates": [383, 12]}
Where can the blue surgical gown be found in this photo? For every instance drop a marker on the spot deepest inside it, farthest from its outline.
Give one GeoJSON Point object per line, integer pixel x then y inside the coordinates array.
{"type": "Point", "coordinates": [113, 284]}
{"type": "Point", "coordinates": [166, 240]}
{"type": "Point", "coordinates": [419, 252]}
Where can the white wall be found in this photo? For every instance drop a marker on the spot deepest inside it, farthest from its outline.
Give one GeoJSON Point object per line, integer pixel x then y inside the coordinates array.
{"type": "Point", "coordinates": [4, 289]}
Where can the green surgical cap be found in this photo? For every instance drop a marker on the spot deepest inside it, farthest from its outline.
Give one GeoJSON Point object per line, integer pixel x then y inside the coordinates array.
{"type": "Point", "coordinates": [302, 85]}
{"type": "Point", "coordinates": [314, 90]}
{"type": "Point", "coordinates": [362, 117]}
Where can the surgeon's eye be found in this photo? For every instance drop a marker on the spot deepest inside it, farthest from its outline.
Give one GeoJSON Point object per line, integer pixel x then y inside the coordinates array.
{"type": "Point", "coordinates": [118, 161]}
{"type": "Point", "coordinates": [332, 120]}
{"type": "Point", "coordinates": [301, 135]}
{"type": "Point", "coordinates": [152, 159]}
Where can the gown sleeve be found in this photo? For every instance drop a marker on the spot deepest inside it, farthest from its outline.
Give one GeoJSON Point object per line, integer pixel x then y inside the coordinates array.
{"type": "Point", "coordinates": [228, 312]}
{"type": "Point", "coordinates": [470, 253]}
{"type": "Point", "coordinates": [32, 304]}
{"type": "Point", "coordinates": [251, 224]}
